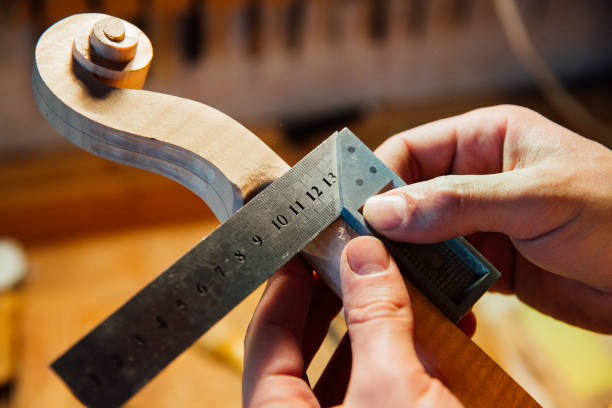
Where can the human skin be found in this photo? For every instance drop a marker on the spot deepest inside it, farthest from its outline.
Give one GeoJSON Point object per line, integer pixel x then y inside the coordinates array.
{"type": "Point", "coordinates": [532, 196]}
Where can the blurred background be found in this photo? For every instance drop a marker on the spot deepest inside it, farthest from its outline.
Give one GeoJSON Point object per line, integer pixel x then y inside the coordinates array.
{"type": "Point", "coordinates": [81, 234]}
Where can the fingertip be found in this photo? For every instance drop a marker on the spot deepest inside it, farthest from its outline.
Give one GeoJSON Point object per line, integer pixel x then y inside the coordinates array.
{"type": "Point", "coordinates": [367, 255]}
{"type": "Point", "coordinates": [385, 212]}
{"type": "Point", "coordinates": [368, 272]}
{"type": "Point", "coordinates": [377, 307]}
{"type": "Point", "coordinates": [414, 213]}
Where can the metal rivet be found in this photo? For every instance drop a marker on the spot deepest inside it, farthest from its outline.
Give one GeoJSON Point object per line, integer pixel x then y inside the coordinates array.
{"type": "Point", "coordinates": [359, 182]}
{"type": "Point", "coordinates": [373, 170]}
{"type": "Point", "coordinates": [351, 149]}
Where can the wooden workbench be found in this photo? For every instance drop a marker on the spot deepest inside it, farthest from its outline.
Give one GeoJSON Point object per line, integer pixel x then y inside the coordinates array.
{"type": "Point", "coordinates": [75, 283]}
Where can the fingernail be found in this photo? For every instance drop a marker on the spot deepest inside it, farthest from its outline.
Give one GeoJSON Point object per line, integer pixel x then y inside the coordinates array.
{"type": "Point", "coordinates": [367, 255]}
{"type": "Point", "coordinates": [385, 212]}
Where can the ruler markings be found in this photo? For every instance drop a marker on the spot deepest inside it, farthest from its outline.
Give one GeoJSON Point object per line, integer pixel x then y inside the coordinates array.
{"type": "Point", "coordinates": [130, 347]}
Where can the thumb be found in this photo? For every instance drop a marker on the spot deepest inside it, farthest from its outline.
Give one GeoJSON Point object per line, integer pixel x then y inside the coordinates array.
{"type": "Point", "coordinates": [515, 203]}
{"type": "Point", "coordinates": [385, 370]}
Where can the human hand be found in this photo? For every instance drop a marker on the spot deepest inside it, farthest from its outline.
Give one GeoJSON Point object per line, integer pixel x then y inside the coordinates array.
{"type": "Point", "coordinates": [291, 321]}
{"type": "Point", "coordinates": [532, 196]}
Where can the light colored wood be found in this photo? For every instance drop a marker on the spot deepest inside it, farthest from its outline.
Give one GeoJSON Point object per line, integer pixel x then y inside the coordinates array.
{"type": "Point", "coordinates": [443, 348]}
{"type": "Point", "coordinates": [109, 40]}
{"type": "Point", "coordinates": [9, 307]}
{"type": "Point", "coordinates": [211, 154]}
{"type": "Point", "coordinates": [225, 164]}
{"type": "Point", "coordinates": [115, 51]}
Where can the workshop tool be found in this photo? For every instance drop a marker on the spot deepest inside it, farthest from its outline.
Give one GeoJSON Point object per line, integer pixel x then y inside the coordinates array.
{"type": "Point", "coordinates": [77, 60]}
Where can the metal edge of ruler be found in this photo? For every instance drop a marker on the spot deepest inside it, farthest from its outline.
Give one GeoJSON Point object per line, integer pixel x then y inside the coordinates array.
{"type": "Point", "coordinates": [452, 274]}
{"type": "Point", "coordinates": [125, 351]}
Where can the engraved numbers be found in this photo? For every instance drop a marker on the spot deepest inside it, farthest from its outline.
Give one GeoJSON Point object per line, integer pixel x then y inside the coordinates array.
{"type": "Point", "coordinates": [280, 221]}
{"type": "Point", "coordinates": [297, 207]}
{"type": "Point", "coordinates": [247, 248]}
{"type": "Point", "coordinates": [240, 257]}
{"type": "Point", "coordinates": [312, 194]}
{"type": "Point", "coordinates": [220, 270]}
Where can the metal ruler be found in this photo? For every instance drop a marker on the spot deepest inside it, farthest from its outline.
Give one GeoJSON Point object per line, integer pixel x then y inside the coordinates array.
{"type": "Point", "coordinates": [116, 359]}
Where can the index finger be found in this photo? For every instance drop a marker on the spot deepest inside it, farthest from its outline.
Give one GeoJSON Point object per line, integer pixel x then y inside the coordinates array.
{"type": "Point", "coordinates": [274, 364]}
{"type": "Point", "coordinates": [471, 143]}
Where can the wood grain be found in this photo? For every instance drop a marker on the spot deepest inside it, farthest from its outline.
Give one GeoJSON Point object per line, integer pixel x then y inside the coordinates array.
{"type": "Point", "coordinates": [225, 164]}
{"type": "Point", "coordinates": [178, 138]}
{"type": "Point", "coordinates": [39, 191]}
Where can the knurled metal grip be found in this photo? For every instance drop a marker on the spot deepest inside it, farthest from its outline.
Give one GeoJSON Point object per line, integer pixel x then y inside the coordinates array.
{"type": "Point", "coordinates": [130, 347]}
{"type": "Point", "coordinates": [452, 274]}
